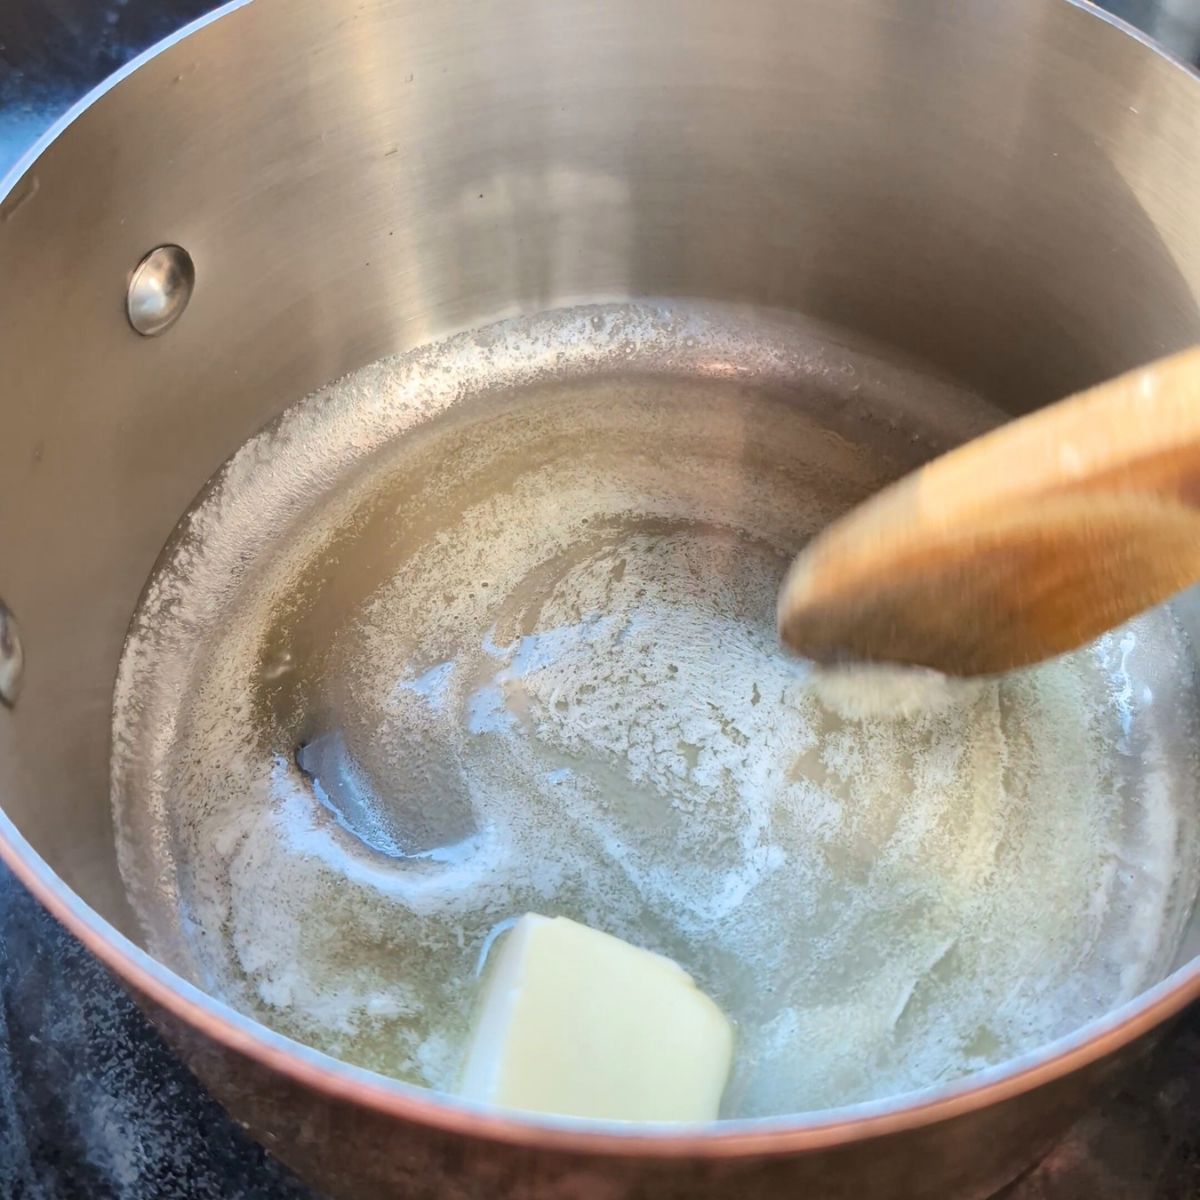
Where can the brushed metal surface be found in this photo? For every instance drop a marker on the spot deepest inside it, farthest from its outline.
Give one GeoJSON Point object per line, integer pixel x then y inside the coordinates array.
{"type": "Point", "coordinates": [1004, 193]}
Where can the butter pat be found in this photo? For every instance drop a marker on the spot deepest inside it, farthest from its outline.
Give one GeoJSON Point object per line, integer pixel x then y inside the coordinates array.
{"type": "Point", "coordinates": [580, 1023]}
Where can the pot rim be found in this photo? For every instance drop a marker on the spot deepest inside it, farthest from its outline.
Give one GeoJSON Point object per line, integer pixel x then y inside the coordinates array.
{"type": "Point", "coordinates": [757, 1137]}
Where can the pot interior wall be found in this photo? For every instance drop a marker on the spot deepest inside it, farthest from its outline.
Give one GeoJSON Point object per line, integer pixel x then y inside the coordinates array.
{"type": "Point", "coordinates": [1005, 193]}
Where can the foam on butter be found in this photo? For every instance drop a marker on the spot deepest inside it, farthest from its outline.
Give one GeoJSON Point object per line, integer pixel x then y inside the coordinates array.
{"type": "Point", "coordinates": [864, 692]}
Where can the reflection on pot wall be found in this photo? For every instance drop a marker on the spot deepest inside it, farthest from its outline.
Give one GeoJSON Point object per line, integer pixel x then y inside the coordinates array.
{"type": "Point", "coordinates": [52, 51]}
{"type": "Point", "coordinates": [67, 45]}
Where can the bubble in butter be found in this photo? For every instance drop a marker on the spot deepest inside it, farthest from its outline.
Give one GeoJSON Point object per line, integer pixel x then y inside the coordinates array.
{"type": "Point", "coordinates": [580, 1023]}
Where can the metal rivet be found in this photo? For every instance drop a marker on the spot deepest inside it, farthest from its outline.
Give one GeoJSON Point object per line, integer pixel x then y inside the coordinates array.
{"type": "Point", "coordinates": [159, 290]}
{"type": "Point", "coordinates": [12, 658]}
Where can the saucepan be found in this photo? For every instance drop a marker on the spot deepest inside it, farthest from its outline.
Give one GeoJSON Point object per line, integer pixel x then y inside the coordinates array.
{"type": "Point", "coordinates": [1001, 196]}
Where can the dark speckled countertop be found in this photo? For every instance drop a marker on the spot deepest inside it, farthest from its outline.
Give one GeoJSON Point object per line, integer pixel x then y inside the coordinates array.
{"type": "Point", "coordinates": [94, 1106]}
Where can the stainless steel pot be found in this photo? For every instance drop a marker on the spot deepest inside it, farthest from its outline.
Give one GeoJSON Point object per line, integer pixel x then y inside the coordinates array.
{"type": "Point", "coordinates": [1007, 193]}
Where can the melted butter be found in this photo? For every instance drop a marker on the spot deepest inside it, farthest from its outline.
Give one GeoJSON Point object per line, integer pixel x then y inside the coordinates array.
{"type": "Point", "coordinates": [388, 692]}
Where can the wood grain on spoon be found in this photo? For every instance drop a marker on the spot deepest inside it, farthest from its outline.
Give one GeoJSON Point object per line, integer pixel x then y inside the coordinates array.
{"type": "Point", "coordinates": [1020, 545]}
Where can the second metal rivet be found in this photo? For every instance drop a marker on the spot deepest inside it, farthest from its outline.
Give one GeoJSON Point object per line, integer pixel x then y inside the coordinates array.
{"type": "Point", "coordinates": [12, 658]}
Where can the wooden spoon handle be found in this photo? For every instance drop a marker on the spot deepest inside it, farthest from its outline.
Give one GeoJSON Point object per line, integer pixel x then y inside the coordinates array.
{"type": "Point", "coordinates": [1020, 545]}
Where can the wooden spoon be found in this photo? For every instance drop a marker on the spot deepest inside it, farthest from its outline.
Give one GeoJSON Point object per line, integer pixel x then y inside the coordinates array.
{"type": "Point", "coordinates": [1020, 545]}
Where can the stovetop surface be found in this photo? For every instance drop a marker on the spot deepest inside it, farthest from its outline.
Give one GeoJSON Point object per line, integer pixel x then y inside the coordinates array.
{"type": "Point", "coordinates": [93, 1104]}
